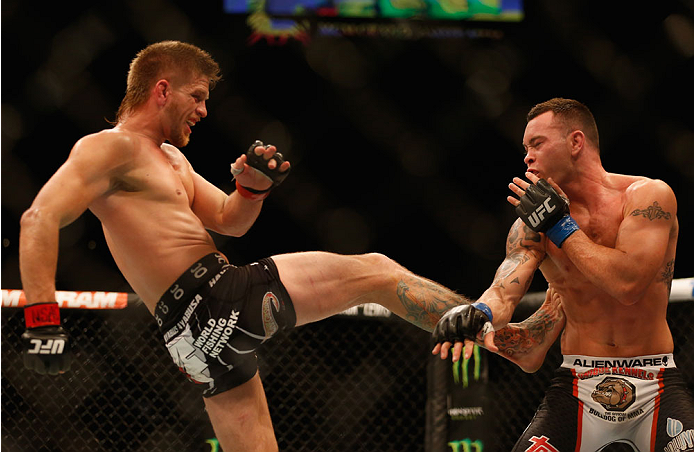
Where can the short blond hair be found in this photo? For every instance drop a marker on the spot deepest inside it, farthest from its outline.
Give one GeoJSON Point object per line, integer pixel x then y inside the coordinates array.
{"type": "Point", "coordinates": [166, 58]}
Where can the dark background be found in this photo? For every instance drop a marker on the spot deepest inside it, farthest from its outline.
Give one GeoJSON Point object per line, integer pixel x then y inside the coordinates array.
{"type": "Point", "coordinates": [399, 146]}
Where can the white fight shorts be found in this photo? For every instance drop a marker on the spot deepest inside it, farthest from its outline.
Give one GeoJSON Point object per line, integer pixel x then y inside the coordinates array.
{"type": "Point", "coordinates": [596, 401]}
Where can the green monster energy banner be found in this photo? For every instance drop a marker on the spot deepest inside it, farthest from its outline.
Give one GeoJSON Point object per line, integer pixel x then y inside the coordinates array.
{"type": "Point", "coordinates": [458, 413]}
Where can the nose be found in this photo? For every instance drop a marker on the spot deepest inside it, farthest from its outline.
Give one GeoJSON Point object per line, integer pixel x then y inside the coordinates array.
{"type": "Point", "coordinates": [202, 109]}
{"type": "Point", "coordinates": [529, 159]}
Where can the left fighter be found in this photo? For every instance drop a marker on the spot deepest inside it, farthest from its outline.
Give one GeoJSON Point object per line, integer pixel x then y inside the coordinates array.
{"type": "Point", "coordinates": [155, 211]}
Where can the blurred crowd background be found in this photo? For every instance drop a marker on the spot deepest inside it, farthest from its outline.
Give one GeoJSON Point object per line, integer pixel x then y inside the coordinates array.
{"type": "Point", "coordinates": [402, 146]}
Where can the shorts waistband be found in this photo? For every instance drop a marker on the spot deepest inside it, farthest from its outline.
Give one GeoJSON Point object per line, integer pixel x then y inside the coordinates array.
{"type": "Point", "coordinates": [190, 283]}
{"type": "Point", "coordinates": [645, 361]}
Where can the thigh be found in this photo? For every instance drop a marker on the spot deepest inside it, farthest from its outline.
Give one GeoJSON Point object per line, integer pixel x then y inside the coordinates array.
{"type": "Point", "coordinates": [555, 424]}
{"type": "Point", "coordinates": [241, 418]}
{"type": "Point", "coordinates": [675, 415]}
{"type": "Point", "coordinates": [323, 284]}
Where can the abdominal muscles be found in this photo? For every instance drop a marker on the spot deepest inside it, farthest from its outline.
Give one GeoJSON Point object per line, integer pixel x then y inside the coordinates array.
{"type": "Point", "coordinates": [153, 245]}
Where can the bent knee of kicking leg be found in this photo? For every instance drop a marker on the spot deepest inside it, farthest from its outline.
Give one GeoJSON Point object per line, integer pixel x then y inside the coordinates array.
{"type": "Point", "coordinates": [382, 271]}
{"type": "Point", "coordinates": [381, 262]}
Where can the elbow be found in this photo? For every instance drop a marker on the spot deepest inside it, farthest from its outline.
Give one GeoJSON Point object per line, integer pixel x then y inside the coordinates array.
{"type": "Point", "coordinates": [238, 230]}
{"type": "Point", "coordinates": [530, 367]}
{"type": "Point", "coordinates": [237, 233]}
{"type": "Point", "coordinates": [231, 231]}
{"type": "Point", "coordinates": [229, 227]}
{"type": "Point", "coordinates": [630, 293]}
{"type": "Point", "coordinates": [30, 217]}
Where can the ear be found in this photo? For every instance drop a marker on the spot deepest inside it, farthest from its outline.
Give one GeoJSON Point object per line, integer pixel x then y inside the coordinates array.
{"type": "Point", "coordinates": [162, 91]}
{"type": "Point", "coordinates": [577, 141]}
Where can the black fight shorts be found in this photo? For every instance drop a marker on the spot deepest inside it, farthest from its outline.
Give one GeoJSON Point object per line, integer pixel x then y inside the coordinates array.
{"type": "Point", "coordinates": [215, 316]}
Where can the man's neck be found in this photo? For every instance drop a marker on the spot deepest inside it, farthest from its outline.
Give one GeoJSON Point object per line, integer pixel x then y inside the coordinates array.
{"type": "Point", "coordinates": [146, 125]}
{"type": "Point", "coordinates": [587, 186]}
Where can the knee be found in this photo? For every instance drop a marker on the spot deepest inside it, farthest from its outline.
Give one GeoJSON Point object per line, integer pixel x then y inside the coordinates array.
{"type": "Point", "coordinates": [381, 263]}
{"type": "Point", "coordinates": [381, 270]}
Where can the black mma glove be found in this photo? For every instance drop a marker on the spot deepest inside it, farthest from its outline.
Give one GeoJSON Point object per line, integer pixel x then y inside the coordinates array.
{"type": "Point", "coordinates": [463, 322]}
{"type": "Point", "coordinates": [46, 344]}
{"type": "Point", "coordinates": [542, 209]}
{"type": "Point", "coordinates": [258, 162]}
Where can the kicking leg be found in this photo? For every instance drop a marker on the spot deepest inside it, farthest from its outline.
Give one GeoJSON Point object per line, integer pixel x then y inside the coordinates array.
{"type": "Point", "coordinates": [241, 418]}
{"type": "Point", "coordinates": [323, 284]}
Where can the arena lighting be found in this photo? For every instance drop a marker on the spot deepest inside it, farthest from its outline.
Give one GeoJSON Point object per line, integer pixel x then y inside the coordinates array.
{"type": "Point", "coordinates": [277, 21]}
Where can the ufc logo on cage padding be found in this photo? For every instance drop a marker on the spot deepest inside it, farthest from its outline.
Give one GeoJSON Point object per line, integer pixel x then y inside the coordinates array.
{"type": "Point", "coordinates": [536, 217]}
{"type": "Point", "coordinates": [51, 347]}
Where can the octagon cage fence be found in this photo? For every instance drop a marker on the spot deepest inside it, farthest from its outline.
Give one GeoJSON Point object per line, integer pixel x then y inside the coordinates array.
{"type": "Point", "coordinates": [353, 382]}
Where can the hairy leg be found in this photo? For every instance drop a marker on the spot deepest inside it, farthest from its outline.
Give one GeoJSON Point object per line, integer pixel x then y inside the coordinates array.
{"type": "Point", "coordinates": [241, 418]}
{"type": "Point", "coordinates": [527, 343]}
{"type": "Point", "coordinates": [323, 284]}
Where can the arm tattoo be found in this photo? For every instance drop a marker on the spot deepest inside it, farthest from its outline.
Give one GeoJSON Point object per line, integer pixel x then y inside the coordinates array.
{"type": "Point", "coordinates": [517, 247]}
{"type": "Point", "coordinates": [654, 212]}
{"type": "Point", "coordinates": [519, 235]}
{"type": "Point", "coordinates": [667, 274]}
{"type": "Point", "coordinates": [425, 301]}
{"type": "Point", "coordinates": [508, 267]}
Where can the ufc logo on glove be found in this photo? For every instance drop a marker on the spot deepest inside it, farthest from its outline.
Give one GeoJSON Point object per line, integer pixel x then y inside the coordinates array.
{"type": "Point", "coordinates": [50, 347]}
{"type": "Point", "coordinates": [539, 214]}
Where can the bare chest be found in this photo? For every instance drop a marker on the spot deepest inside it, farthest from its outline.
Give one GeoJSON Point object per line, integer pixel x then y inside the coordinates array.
{"type": "Point", "coordinates": [156, 176]}
{"type": "Point", "coordinates": [600, 225]}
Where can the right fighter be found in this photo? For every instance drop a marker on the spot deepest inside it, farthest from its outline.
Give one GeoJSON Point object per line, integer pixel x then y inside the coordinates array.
{"type": "Point", "coordinates": [605, 243]}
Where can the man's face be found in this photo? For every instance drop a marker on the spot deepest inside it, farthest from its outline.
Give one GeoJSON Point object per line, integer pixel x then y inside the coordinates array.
{"type": "Point", "coordinates": [547, 146]}
{"type": "Point", "coordinates": [187, 108]}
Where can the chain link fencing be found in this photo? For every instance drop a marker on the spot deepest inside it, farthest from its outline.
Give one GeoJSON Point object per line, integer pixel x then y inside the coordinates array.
{"type": "Point", "coordinates": [348, 383]}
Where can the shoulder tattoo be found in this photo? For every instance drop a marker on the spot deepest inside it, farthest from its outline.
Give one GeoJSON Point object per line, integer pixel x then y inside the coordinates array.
{"type": "Point", "coordinates": [654, 212]}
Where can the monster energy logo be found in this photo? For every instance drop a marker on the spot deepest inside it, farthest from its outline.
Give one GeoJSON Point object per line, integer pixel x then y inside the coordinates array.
{"type": "Point", "coordinates": [460, 368]}
{"type": "Point", "coordinates": [467, 445]}
{"type": "Point", "coordinates": [213, 443]}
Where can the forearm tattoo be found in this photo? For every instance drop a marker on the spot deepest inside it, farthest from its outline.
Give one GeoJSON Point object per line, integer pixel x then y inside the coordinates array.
{"type": "Point", "coordinates": [425, 301]}
{"type": "Point", "coordinates": [521, 235]}
{"type": "Point", "coordinates": [520, 338]}
{"type": "Point", "coordinates": [519, 242]}
{"type": "Point", "coordinates": [508, 267]}
{"type": "Point", "coordinates": [654, 212]}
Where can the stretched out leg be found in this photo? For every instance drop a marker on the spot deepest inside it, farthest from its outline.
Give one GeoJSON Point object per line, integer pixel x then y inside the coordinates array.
{"type": "Point", "coordinates": [323, 284]}
{"type": "Point", "coordinates": [241, 418]}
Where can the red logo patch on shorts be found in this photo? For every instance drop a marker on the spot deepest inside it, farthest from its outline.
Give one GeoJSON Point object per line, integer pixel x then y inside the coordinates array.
{"type": "Point", "coordinates": [541, 444]}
